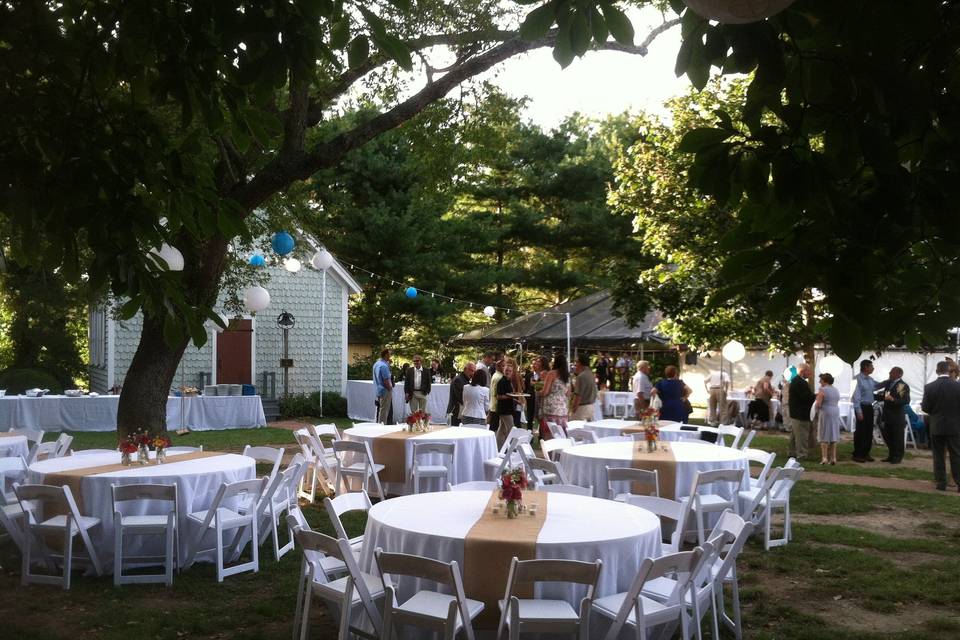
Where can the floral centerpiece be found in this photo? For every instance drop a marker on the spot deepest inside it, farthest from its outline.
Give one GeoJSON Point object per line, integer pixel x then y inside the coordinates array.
{"type": "Point", "coordinates": [512, 484]}
{"type": "Point", "coordinates": [419, 421]}
{"type": "Point", "coordinates": [650, 422]}
{"type": "Point", "coordinates": [127, 449]}
{"type": "Point", "coordinates": [160, 443]}
{"type": "Point", "coordinates": [138, 443]}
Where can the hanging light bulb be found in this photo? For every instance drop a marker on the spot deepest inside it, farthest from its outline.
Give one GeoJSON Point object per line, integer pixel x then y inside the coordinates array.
{"type": "Point", "coordinates": [322, 260]}
{"type": "Point", "coordinates": [489, 311]}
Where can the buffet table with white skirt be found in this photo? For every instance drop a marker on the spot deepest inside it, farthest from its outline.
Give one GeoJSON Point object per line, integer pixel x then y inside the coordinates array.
{"type": "Point", "coordinates": [12, 446]}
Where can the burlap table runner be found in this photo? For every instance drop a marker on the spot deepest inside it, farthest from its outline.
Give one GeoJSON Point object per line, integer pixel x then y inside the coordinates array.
{"type": "Point", "coordinates": [490, 546]}
{"type": "Point", "coordinates": [663, 462]}
{"type": "Point", "coordinates": [9, 434]}
{"type": "Point", "coordinates": [390, 450]}
{"type": "Point", "coordinates": [73, 478]}
{"type": "Point", "coordinates": [636, 428]}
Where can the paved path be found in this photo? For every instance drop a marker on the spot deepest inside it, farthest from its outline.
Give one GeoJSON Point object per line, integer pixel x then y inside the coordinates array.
{"type": "Point", "coordinates": [901, 484]}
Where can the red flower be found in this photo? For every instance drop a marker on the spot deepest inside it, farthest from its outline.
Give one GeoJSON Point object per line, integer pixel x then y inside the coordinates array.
{"type": "Point", "coordinates": [128, 447]}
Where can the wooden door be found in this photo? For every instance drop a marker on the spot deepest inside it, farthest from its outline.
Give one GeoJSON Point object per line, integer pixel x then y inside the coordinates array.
{"type": "Point", "coordinates": [234, 353]}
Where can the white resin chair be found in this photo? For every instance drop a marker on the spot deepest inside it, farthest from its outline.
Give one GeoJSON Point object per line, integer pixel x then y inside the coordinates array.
{"type": "Point", "coordinates": [647, 481]}
{"type": "Point", "coordinates": [704, 502]}
{"type": "Point", "coordinates": [556, 431]}
{"type": "Point", "coordinates": [639, 612]}
{"type": "Point", "coordinates": [520, 615]}
{"type": "Point", "coordinates": [549, 447]}
{"type": "Point", "coordinates": [675, 513]}
{"type": "Point", "coordinates": [547, 472]}
{"type": "Point", "coordinates": [42, 451]}
{"type": "Point", "coordinates": [732, 431]}
{"type": "Point", "coordinates": [519, 454]}
{"type": "Point", "coordinates": [37, 501]}
{"type": "Point", "coordinates": [474, 485]}
{"type": "Point", "coordinates": [33, 436]}
{"type": "Point", "coordinates": [758, 504]}
{"type": "Point", "coordinates": [580, 435]}
{"type": "Point", "coordinates": [760, 458]}
{"type": "Point", "coordinates": [517, 438]}
{"type": "Point", "coordinates": [279, 498]}
{"type": "Point", "coordinates": [321, 465]}
{"type": "Point", "coordinates": [63, 445]}
{"type": "Point", "coordinates": [346, 503]}
{"type": "Point", "coordinates": [13, 469]}
{"type": "Point", "coordinates": [745, 442]}
{"type": "Point", "coordinates": [568, 488]}
{"type": "Point", "coordinates": [424, 470]}
{"type": "Point", "coordinates": [266, 455]}
{"type": "Point", "coordinates": [445, 613]}
{"type": "Point", "coordinates": [355, 461]}
{"type": "Point", "coordinates": [732, 532]}
{"type": "Point", "coordinates": [243, 497]}
{"type": "Point", "coordinates": [621, 405]}
{"type": "Point", "coordinates": [145, 525]}
{"type": "Point", "coordinates": [353, 598]}
{"type": "Point", "coordinates": [699, 597]}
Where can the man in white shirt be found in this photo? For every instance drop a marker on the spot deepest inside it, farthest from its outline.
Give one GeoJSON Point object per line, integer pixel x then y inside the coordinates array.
{"type": "Point", "coordinates": [717, 384]}
{"type": "Point", "coordinates": [416, 385]}
{"type": "Point", "coordinates": [641, 387]}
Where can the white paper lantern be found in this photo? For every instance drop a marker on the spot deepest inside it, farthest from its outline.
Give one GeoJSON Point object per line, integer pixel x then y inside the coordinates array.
{"type": "Point", "coordinates": [256, 298]}
{"type": "Point", "coordinates": [733, 351]}
{"type": "Point", "coordinates": [322, 260]}
{"type": "Point", "coordinates": [489, 311]}
{"type": "Point", "coordinates": [737, 11]}
{"type": "Point", "coordinates": [170, 255]}
{"type": "Point", "coordinates": [832, 364]}
{"type": "Point", "coordinates": [292, 265]}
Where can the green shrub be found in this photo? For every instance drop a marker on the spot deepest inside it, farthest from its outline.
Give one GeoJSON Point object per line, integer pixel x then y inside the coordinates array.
{"type": "Point", "coordinates": [302, 404]}
{"type": "Point", "coordinates": [16, 381]}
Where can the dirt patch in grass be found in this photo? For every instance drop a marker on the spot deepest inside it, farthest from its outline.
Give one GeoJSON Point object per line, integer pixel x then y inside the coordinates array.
{"type": "Point", "coordinates": [887, 521]}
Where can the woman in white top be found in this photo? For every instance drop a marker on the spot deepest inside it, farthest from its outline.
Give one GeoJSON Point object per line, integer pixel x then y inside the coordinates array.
{"type": "Point", "coordinates": [476, 400]}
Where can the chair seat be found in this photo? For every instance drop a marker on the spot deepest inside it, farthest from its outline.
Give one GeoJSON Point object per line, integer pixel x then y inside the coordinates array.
{"type": "Point", "coordinates": [544, 610]}
{"type": "Point", "coordinates": [60, 522]}
{"type": "Point", "coordinates": [337, 587]}
{"type": "Point", "coordinates": [710, 501]}
{"type": "Point", "coordinates": [749, 495]}
{"type": "Point", "coordinates": [653, 611]}
{"type": "Point", "coordinates": [359, 468]}
{"type": "Point", "coordinates": [660, 589]}
{"type": "Point", "coordinates": [436, 605]}
{"type": "Point", "coordinates": [431, 469]}
{"type": "Point", "coordinates": [227, 517]}
{"type": "Point", "coordinates": [143, 521]}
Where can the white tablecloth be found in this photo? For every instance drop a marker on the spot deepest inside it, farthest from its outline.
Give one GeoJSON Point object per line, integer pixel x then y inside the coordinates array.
{"type": "Point", "coordinates": [60, 413]}
{"type": "Point", "coordinates": [674, 432]}
{"type": "Point", "coordinates": [608, 427]}
{"type": "Point", "coordinates": [609, 398]}
{"type": "Point", "coordinates": [197, 484]}
{"type": "Point", "coordinates": [576, 528]}
{"type": "Point", "coordinates": [584, 464]}
{"type": "Point", "coordinates": [361, 395]}
{"type": "Point", "coordinates": [473, 446]}
{"type": "Point", "coordinates": [11, 446]}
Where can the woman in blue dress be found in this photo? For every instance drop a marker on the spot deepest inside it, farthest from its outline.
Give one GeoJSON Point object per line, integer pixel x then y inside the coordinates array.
{"type": "Point", "coordinates": [672, 393]}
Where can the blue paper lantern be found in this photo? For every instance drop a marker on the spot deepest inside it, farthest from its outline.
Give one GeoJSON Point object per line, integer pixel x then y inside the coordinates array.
{"type": "Point", "coordinates": [282, 243]}
{"type": "Point", "coordinates": [257, 260]}
{"type": "Point", "coordinates": [411, 292]}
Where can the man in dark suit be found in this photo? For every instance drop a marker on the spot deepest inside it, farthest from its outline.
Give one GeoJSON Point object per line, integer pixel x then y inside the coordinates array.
{"type": "Point", "coordinates": [455, 403]}
{"type": "Point", "coordinates": [941, 402]}
{"type": "Point", "coordinates": [800, 400]}
{"type": "Point", "coordinates": [416, 385]}
{"type": "Point", "coordinates": [896, 395]}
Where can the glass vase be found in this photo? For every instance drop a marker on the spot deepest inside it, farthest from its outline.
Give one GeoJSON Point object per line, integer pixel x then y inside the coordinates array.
{"type": "Point", "coordinates": [125, 458]}
{"type": "Point", "coordinates": [143, 455]}
{"type": "Point", "coordinates": [513, 509]}
{"type": "Point", "coordinates": [651, 446]}
{"type": "Point", "coordinates": [161, 455]}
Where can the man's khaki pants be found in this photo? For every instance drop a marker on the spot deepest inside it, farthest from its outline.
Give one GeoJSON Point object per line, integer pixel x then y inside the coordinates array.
{"type": "Point", "coordinates": [800, 438]}
{"type": "Point", "coordinates": [716, 407]}
{"type": "Point", "coordinates": [383, 413]}
{"type": "Point", "coordinates": [583, 412]}
{"type": "Point", "coordinates": [418, 402]}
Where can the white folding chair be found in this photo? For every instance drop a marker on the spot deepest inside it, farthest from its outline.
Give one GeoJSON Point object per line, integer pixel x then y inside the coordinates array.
{"type": "Point", "coordinates": [745, 442]}
{"type": "Point", "coordinates": [360, 466]}
{"type": "Point", "coordinates": [322, 431]}
{"type": "Point", "coordinates": [42, 451]}
{"type": "Point", "coordinates": [580, 435]}
{"type": "Point", "coordinates": [63, 445]}
{"type": "Point", "coordinates": [699, 597]}
{"type": "Point", "coordinates": [426, 469]}
{"type": "Point", "coordinates": [529, 615]}
{"type": "Point", "coordinates": [35, 500]}
{"type": "Point", "coordinates": [90, 452]}
{"type": "Point", "coordinates": [280, 497]}
{"type": "Point", "coordinates": [732, 532]}
{"type": "Point", "coordinates": [639, 612]}
{"type": "Point", "coordinates": [12, 521]}
{"type": "Point", "coordinates": [332, 568]}
{"type": "Point", "coordinates": [677, 513]}
{"type": "Point", "coordinates": [732, 430]}
{"type": "Point", "coordinates": [429, 610]}
{"type": "Point", "coordinates": [642, 482]}
{"type": "Point", "coordinates": [12, 469]}
{"type": "Point", "coordinates": [345, 503]}
{"type": "Point", "coordinates": [184, 449]}
{"type": "Point", "coordinates": [33, 436]}
{"type": "Point", "coordinates": [556, 431]}
{"type": "Point", "coordinates": [474, 485]}
{"type": "Point", "coordinates": [705, 502]}
{"type": "Point", "coordinates": [567, 488]}
{"type": "Point", "coordinates": [518, 436]}
{"type": "Point", "coordinates": [243, 497]}
{"type": "Point", "coordinates": [758, 503]}
{"type": "Point", "coordinates": [519, 454]}
{"type": "Point", "coordinates": [342, 595]}
{"type": "Point", "coordinates": [547, 472]}
{"type": "Point", "coordinates": [908, 437]}
{"type": "Point", "coordinates": [319, 462]}
{"type": "Point", "coordinates": [266, 455]}
{"type": "Point", "coordinates": [145, 525]}
{"type": "Point", "coordinates": [762, 458]}
{"type": "Point", "coordinates": [620, 405]}
{"type": "Point", "coordinates": [548, 447]}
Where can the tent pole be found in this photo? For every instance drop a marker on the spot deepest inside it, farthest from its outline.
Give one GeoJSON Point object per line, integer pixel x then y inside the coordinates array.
{"type": "Point", "coordinates": [568, 337]}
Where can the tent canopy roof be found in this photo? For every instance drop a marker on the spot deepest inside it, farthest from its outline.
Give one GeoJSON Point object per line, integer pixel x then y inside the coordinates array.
{"type": "Point", "coordinates": [593, 323]}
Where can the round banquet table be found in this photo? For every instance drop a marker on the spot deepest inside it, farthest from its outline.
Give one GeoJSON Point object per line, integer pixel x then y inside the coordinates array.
{"type": "Point", "coordinates": [472, 447]}
{"type": "Point", "coordinates": [11, 446]}
{"type": "Point", "coordinates": [436, 525]}
{"type": "Point", "coordinates": [197, 483]}
{"type": "Point", "coordinates": [614, 426]}
{"type": "Point", "coordinates": [677, 432]}
{"type": "Point", "coordinates": [584, 465]}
